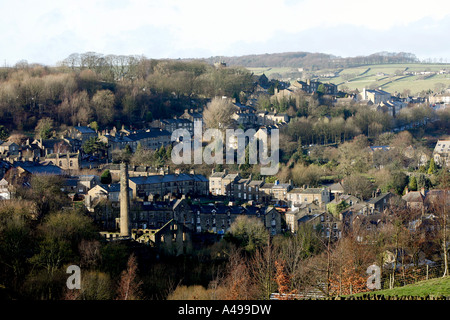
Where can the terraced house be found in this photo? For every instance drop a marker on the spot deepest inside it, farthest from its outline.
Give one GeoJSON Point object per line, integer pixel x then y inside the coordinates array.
{"type": "Point", "coordinates": [298, 196]}
{"type": "Point", "coordinates": [441, 153]}
{"type": "Point", "coordinates": [161, 185]}
{"type": "Point", "coordinates": [218, 218]}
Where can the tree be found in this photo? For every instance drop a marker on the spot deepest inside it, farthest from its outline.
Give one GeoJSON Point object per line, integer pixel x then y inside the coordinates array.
{"type": "Point", "coordinates": [218, 113]}
{"type": "Point", "coordinates": [438, 203]}
{"type": "Point", "coordinates": [239, 281]}
{"type": "Point", "coordinates": [103, 105]}
{"type": "Point", "coordinates": [46, 192]}
{"type": "Point", "coordinates": [412, 185]}
{"type": "Point", "coordinates": [399, 180]}
{"type": "Point", "coordinates": [321, 88]}
{"type": "Point", "coordinates": [94, 125]}
{"type": "Point", "coordinates": [248, 233]}
{"type": "Point", "coordinates": [432, 168]}
{"type": "Point", "coordinates": [94, 286]}
{"type": "Point", "coordinates": [16, 242]}
{"type": "Point", "coordinates": [359, 186]}
{"type": "Point", "coordinates": [93, 146]}
{"type": "Point", "coordinates": [106, 178]}
{"type": "Point", "coordinates": [283, 281]}
{"type": "Point", "coordinates": [4, 133]}
{"type": "Point", "coordinates": [129, 285]}
{"type": "Point", "coordinates": [44, 128]}
{"type": "Point", "coordinates": [294, 251]}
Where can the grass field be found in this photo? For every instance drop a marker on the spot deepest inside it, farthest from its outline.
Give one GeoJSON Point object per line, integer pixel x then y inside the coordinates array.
{"type": "Point", "coordinates": [388, 77]}
{"type": "Point", "coordinates": [433, 287]}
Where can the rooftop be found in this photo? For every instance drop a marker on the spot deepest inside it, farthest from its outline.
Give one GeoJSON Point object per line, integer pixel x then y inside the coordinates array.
{"type": "Point", "coordinates": [84, 129]}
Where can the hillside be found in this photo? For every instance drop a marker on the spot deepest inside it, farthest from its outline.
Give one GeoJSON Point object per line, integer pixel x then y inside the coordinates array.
{"type": "Point", "coordinates": [394, 78]}
{"type": "Point", "coordinates": [433, 287]}
{"type": "Point", "coordinates": [394, 72]}
{"type": "Point", "coordinates": [313, 61]}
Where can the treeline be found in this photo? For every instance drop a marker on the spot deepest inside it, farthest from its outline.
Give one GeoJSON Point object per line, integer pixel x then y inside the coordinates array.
{"type": "Point", "coordinates": [314, 61]}
{"type": "Point", "coordinates": [41, 234]}
{"type": "Point", "coordinates": [111, 90]}
{"type": "Point", "coordinates": [306, 263]}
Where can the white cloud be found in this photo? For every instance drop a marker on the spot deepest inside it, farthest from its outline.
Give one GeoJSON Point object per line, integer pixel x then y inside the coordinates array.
{"type": "Point", "coordinates": [177, 27]}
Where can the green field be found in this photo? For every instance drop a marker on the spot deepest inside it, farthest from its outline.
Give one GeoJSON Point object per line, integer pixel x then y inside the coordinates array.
{"type": "Point", "coordinates": [434, 287]}
{"type": "Point", "coordinates": [388, 77]}
{"type": "Point", "coordinates": [269, 71]}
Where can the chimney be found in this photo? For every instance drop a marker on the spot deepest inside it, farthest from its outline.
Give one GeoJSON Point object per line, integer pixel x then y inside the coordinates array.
{"type": "Point", "coordinates": [124, 201]}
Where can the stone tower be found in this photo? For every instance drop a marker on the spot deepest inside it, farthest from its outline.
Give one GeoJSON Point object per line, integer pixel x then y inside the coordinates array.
{"type": "Point", "coordinates": [124, 199]}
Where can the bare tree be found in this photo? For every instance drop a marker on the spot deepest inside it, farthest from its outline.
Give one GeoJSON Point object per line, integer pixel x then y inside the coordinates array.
{"type": "Point", "coordinates": [129, 285]}
{"type": "Point", "coordinates": [218, 113]}
{"type": "Point", "coordinates": [438, 203]}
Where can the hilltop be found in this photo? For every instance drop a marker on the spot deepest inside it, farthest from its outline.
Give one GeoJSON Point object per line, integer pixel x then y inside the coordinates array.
{"type": "Point", "coordinates": [400, 73]}
{"type": "Point", "coordinates": [411, 78]}
{"type": "Point", "coordinates": [313, 61]}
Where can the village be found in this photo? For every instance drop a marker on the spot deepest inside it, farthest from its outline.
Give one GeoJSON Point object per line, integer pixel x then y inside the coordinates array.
{"type": "Point", "coordinates": [174, 211]}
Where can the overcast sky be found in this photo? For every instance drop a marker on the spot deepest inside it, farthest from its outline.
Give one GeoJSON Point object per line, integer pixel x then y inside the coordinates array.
{"type": "Point", "coordinates": [47, 31]}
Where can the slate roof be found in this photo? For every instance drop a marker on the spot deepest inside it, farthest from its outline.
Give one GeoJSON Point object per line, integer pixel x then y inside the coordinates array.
{"type": "Point", "coordinates": [156, 179]}
{"type": "Point", "coordinates": [311, 191]}
{"type": "Point", "coordinates": [413, 196]}
{"type": "Point", "coordinates": [113, 187]}
{"type": "Point", "coordinates": [35, 168]}
{"type": "Point", "coordinates": [84, 129]}
{"type": "Point", "coordinates": [379, 198]}
{"type": "Point", "coordinates": [224, 209]}
{"type": "Point", "coordinates": [217, 175]}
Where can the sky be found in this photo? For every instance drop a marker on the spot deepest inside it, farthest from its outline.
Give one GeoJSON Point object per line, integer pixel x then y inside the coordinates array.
{"type": "Point", "coordinates": [48, 31]}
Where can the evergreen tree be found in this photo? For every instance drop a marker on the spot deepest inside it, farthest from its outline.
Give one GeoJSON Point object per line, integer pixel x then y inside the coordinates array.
{"type": "Point", "coordinates": [106, 178]}
{"type": "Point", "coordinates": [432, 168]}
{"type": "Point", "coordinates": [412, 186]}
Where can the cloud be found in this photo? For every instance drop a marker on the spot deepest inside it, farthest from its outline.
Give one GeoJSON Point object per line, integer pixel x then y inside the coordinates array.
{"type": "Point", "coordinates": [39, 31]}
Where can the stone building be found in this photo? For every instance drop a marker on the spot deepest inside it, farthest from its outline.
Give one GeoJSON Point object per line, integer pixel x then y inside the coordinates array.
{"type": "Point", "coordinates": [67, 161]}
{"type": "Point", "coordinates": [176, 184]}
{"type": "Point", "coordinates": [298, 196]}
{"type": "Point", "coordinates": [218, 218]}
